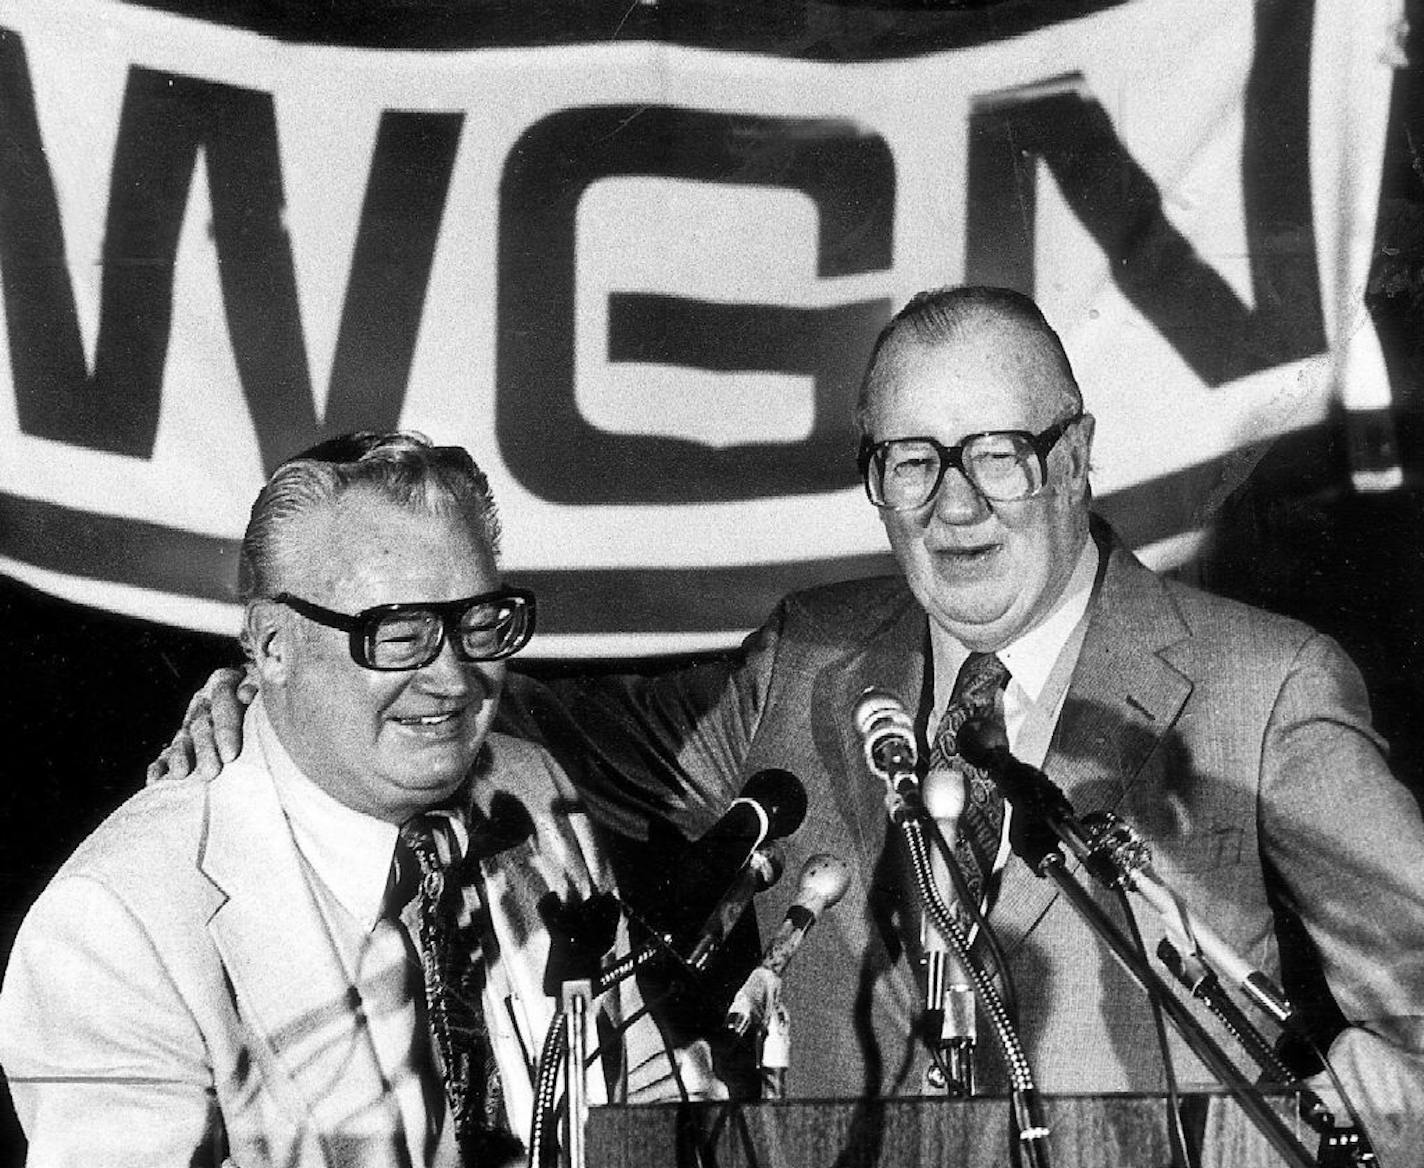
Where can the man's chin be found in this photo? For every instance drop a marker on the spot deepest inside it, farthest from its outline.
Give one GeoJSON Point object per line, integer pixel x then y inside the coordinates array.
{"type": "Point", "coordinates": [435, 777]}
{"type": "Point", "coordinates": [980, 629]}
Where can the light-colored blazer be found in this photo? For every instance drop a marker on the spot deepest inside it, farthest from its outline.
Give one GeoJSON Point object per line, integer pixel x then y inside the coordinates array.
{"type": "Point", "coordinates": [1237, 742]}
{"type": "Point", "coordinates": [173, 997]}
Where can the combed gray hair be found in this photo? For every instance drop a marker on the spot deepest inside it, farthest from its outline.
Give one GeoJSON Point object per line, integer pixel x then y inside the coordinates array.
{"type": "Point", "coordinates": [946, 315]}
{"type": "Point", "coordinates": [402, 467]}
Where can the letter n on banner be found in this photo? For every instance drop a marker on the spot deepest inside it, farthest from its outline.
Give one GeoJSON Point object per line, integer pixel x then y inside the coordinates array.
{"type": "Point", "coordinates": [1061, 123]}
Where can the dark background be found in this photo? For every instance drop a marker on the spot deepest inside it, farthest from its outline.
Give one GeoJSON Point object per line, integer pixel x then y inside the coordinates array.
{"type": "Point", "coordinates": [88, 698]}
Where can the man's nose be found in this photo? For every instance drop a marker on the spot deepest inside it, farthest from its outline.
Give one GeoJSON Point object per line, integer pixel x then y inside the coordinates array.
{"type": "Point", "coordinates": [448, 672]}
{"type": "Point", "coordinates": [956, 500]}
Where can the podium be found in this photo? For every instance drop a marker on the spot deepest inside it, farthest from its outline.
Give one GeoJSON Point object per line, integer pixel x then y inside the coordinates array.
{"type": "Point", "coordinates": [1087, 1131]}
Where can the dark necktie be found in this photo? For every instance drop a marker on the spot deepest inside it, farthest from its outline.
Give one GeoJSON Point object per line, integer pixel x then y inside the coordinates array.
{"type": "Point", "coordinates": [431, 848]}
{"type": "Point", "coordinates": [981, 824]}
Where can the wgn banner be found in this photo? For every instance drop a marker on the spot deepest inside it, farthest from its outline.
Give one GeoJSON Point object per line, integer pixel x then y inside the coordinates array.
{"type": "Point", "coordinates": [637, 275]}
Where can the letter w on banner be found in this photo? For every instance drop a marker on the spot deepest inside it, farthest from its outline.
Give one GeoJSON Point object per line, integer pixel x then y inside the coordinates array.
{"type": "Point", "coordinates": [639, 279]}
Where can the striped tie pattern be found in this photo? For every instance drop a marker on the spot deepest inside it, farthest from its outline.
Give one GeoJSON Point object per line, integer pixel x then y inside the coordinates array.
{"type": "Point", "coordinates": [975, 695]}
{"type": "Point", "coordinates": [435, 846]}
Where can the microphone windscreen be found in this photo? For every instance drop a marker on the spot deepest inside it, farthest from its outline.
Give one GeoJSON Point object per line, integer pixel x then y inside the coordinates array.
{"type": "Point", "coordinates": [780, 794]}
{"type": "Point", "coordinates": [878, 710]}
{"type": "Point", "coordinates": [886, 730]}
{"type": "Point", "coordinates": [980, 740]}
{"type": "Point", "coordinates": [824, 880]}
{"type": "Point", "coordinates": [942, 791]}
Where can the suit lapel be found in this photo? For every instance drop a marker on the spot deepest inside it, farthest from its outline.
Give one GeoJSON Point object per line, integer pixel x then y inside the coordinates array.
{"type": "Point", "coordinates": [871, 929]}
{"type": "Point", "coordinates": [891, 659]}
{"type": "Point", "coordinates": [1123, 698]}
{"type": "Point", "coordinates": [290, 985]}
{"type": "Point", "coordinates": [1125, 693]}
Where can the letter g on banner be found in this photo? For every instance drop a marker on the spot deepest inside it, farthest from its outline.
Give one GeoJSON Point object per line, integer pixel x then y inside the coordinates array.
{"type": "Point", "coordinates": [848, 174]}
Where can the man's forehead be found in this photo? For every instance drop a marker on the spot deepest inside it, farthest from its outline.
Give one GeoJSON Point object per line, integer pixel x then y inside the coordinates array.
{"type": "Point", "coordinates": [364, 538]}
{"type": "Point", "coordinates": [999, 372]}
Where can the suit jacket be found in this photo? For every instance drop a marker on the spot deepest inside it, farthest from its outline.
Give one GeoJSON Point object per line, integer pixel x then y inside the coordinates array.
{"type": "Point", "coordinates": [1237, 742]}
{"type": "Point", "coordinates": [173, 996]}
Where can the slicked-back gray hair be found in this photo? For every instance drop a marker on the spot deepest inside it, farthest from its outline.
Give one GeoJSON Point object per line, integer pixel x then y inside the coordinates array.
{"type": "Point", "coordinates": [403, 467]}
{"type": "Point", "coordinates": [945, 315]}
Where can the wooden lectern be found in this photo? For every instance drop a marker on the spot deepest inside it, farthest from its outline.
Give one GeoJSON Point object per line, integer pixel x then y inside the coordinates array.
{"type": "Point", "coordinates": [1087, 1131]}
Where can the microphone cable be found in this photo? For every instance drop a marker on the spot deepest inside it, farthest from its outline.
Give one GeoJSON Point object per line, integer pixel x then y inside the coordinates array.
{"type": "Point", "coordinates": [982, 928]}
{"type": "Point", "coordinates": [1176, 1133]}
{"type": "Point", "coordinates": [1027, 1113]}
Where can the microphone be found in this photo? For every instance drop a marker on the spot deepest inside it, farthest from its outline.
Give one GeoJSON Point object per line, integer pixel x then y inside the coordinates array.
{"type": "Point", "coordinates": [984, 743]}
{"type": "Point", "coordinates": [949, 992]}
{"type": "Point", "coordinates": [944, 794]}
{"type": "Point", "coordinates": [772, 804]}
{"type": "Point", "coordinates": [887, 733]}
{"type": "Point", "coordinates": [762, 869]}
{"type": "Point", "coordinates": [581, 930]}
{"type": "Point", "coordinates": [823, 881]}
{"type": "Point", "coordinates": [1116, 856]}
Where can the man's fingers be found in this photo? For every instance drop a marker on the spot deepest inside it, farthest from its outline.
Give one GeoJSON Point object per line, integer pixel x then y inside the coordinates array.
{"type": "Point", "coordinates": [225, 726]}
{"type": "Point", "coordinates": [198, 707]}
{"type": "Point", "coordinates": [229, 692]}
{"type": "Point", "coordinates": [206, 763]}
{"type": "Point", "coordinates": [175, 761]}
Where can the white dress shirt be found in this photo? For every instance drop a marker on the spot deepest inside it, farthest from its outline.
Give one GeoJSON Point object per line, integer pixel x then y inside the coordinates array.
{"type": "Point", "coordinates": [347, 858]}
{"type": "Point", "coordinates": [1040, 665]}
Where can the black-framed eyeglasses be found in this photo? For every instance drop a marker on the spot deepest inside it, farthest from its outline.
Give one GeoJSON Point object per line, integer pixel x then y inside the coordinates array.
{"type": "Point", "coordinates": [1004, 466]}
{"type": "Point", "coordinates": [392, 637]}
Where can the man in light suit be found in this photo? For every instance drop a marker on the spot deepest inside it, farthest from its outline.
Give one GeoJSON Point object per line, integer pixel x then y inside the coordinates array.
{"type": "Point", "coordinates": [220, 972]}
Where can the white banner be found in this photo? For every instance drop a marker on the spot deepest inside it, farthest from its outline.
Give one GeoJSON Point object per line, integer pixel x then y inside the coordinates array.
{"type": "Point", "coordinates": [638, 280]}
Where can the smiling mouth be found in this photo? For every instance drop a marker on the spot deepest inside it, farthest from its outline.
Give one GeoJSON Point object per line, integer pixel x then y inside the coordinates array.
{"type": "Point", "coordinates": [429, 719]}
{"type": "Point", "coordinates": [969, 554]}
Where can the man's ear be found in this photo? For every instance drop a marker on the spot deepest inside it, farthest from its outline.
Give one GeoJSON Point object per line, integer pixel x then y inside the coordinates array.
{"type": "Point", "coordinates": [268, 635]}
{"type": "Point", "coordinates": [1080, 452]}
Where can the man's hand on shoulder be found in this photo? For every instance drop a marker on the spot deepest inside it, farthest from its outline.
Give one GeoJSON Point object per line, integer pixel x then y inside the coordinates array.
{"type": "Point", "coordinates": [211, 734]}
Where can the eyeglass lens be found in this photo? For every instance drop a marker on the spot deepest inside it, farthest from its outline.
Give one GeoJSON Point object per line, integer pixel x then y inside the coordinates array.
{"type": "Point", "coordinates": [411, 638]}
{"type": "Point", "coordinates": [1003, 467]}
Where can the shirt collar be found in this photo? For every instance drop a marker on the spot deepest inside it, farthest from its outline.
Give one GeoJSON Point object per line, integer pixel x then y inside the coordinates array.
{"type": "Point", "coordinates": [1030, 658]}
{"type": "Point", "coordinates": [349, 851]}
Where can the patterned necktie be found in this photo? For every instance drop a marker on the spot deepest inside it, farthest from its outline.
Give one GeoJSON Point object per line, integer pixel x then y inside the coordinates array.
{"type": "Point", "coordinates": [430, 848]}
{"type": "Point", "coordinates": [981, 824]}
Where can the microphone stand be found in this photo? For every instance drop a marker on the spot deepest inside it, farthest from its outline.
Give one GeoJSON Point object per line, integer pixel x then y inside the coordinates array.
{"type": "Point", "coordinates": [577, 1006]}
{"type": "Point", "coordinates": [949, 990]}
{"type": "Point", "coordinates": [1042, 819]}
{"type": "Point", "coordinates": [1340, 1146]}
{"type": "Point", "coordinates": [952, 1021]}
{"type": "Point", "coordinates": [577, 937]}
{"type": "Point", "coordinates": [759, 1004]}
{"type": "Point", "coordinates": [774, 1053]}
{"type": "Point", "coordinates": [1027, 1110]}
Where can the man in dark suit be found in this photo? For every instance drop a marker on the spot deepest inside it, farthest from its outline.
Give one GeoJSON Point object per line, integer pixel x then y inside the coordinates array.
{"type": "Point", "coordinates": [1237, 742]}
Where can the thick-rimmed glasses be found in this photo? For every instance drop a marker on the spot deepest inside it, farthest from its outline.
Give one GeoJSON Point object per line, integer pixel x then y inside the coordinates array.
{"type": "Point", "coordinates": [392, 637]}
{"type": "Point", "coordinates": [1004, 466]}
